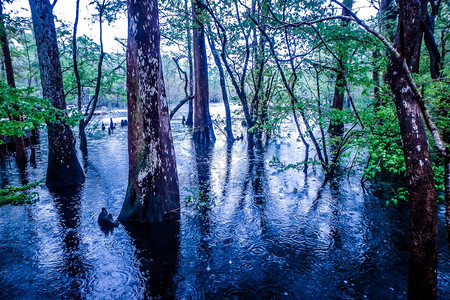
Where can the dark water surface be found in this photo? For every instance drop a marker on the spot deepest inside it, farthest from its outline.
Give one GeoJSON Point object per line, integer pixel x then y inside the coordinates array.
{"type": "Point", "coordinates": [246, 232]}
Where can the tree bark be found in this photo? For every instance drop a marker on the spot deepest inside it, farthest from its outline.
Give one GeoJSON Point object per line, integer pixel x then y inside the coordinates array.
{"type": "Point", "coordinates": [428, 26]}
{"type": "Point", "coordinates": [203, 127]}
{"type": "Point", "coordinates": [21, 152]}
{"type": "Point", "coordinates": [63, 166]}
{"type": "Point", "coordinates": [237, 80]}
{"type": "Point", "coordinates": [336, 127]}
{"type": "Point", "coordinates": [388, 16]}
{"type": "Point", "coordinates": [91, 109]}
{"type": "Point", "coordinates": [101, 56]}
{"type": "Point", "coordinates": [81, 125]}
{"type": "Point", "coordinates": [178, 106]}
{"type": "Point", "coordinates": [294, 99]}
{"type": "Point", "coordinates": [223, 87]}
{"type": "Point", "coordinates": [420, 177]}
{"type": "Point", "coordinates": [190, 116]}
{"type": "Point", "coordinates": [153, 192]}
{"type": "Point", "coordinates": [435, 73]}
{"type": "Point", "coordinates": [376, 80]}
{"type": "Point", "coordinates": [447, 195]}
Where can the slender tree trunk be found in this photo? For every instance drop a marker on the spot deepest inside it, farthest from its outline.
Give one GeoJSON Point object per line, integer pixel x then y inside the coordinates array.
{"type": "Point", "coordinates": [223, 87]}
{"type": "Point", "coordinates": [435, 72]}
{"type": "Point", "coordinates": [94, 100]}
{"type": "Point", "coordinates": [190, 116]}
{"type": "Point", "coordinates": [27, 51]}
{"type": "Point", "coordinates": [376, 73]}
{"type": "Point", "coordinates": [428, 26]}
{"type": "Point", "coordinates": [258, 71]}
{"type": "Point", "coordinates": [203, 127]}
{"type": "Point", "coordinates": [99, 68]}
{"type": "Point", "coordinates": [294, 100]}
{"type": "Point", "coordinates": [63, 166]}
{"type": "Point", "coordinates": [446, 138]}
{"type": "Point", "coordinates": [388, 15]}
{"type": "Point", "coordinates": [376, 79]}
{"type": "Point", "coordinates": [319, 106]}
{"type": "Point", "coordinates": [337, 126]}
{"type": "Point", "coordinates": [6, 53]}
{"type": "Point", "coordinates": [238, 83]}
{"type": "Point", "coordinates": [387, 18]}
{"type": "Point", "coordinates": [153, 192]}
{"type": "Point", "coordinates": [184, 77]}
{"type": "Point", "coordinates": [21, 152]}
{"type": "Point", "coordinates": [81, 126]}
{"type": "Point", "coordinates": [420, 177]}
{"type": "Point", "coordinates": [447, 195]}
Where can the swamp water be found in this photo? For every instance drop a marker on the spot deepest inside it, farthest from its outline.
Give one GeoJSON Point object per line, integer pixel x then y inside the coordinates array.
{"type": "Point", "coordinates": [247, 231]}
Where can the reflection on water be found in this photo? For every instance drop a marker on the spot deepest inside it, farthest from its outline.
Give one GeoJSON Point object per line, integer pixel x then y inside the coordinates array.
{"type": "Point", "coordinates": [246, 231]}
{"type": "Point", "coordinates": [68, 203]}
{"type": "Point", "coordinates": [156, 250]}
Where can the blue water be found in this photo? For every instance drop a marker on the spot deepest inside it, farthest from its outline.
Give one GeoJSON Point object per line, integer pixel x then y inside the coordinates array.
{"type": "Point", "coordinates": [247, 231]}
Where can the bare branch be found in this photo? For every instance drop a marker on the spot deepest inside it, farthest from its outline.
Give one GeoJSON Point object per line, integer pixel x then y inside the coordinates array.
{"type": "Point", "coordinates": [182, 74]}
{"type": "Point", "coordinates": [179, 105]}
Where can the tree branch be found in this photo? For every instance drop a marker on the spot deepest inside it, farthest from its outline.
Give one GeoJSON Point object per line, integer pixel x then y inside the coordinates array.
{"type": "Point", "coordinates": [425, 112]}
{"type": "Point", "coordinates": [54, 3]}
{"type": "Point", "coordinates": [179, 105]}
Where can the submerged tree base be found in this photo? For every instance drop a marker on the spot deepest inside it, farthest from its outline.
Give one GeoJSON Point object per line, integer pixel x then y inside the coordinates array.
{"type": "Point", "coordinates": [147, 208]}
{"type": "Point", "coordinates": [63, 168]}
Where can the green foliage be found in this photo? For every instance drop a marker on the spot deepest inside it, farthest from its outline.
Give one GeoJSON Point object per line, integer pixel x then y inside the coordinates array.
{"type": "Point", "coordinates": [200, 198]}
{"type": "Point", "coordinates": [112, 88]}
{"type": "Point", "coordinates": [310, 54]}
{"type": "Point", "coordinates": [401, 194]}
{"type": "Point", "coordinates": [18, 194]}
{"type": "Point", "coordinates": [22, 45]}
{"type": "Point", "coordinates": [383, 142]}
{"type": "Point", "coordinates": [21, 112]}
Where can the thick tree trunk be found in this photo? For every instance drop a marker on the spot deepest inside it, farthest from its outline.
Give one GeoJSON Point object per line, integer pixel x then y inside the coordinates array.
{"type": "Point", "coordinates": [423, 246]}
{"type": "Point", "coordinates": [63, 166]}
{"type": "Point", "coordinates": [21, 152]}
{"type": "Point", "coordinates": [203, 127]}
{"type": "Point", "coordinates": [153, 192]}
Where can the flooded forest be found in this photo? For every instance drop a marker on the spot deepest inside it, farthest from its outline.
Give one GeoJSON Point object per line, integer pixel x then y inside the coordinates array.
{"type": "Point", "coordinates": [232, 149]}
